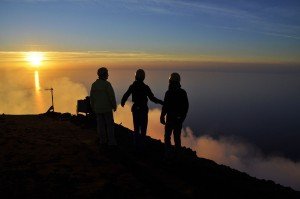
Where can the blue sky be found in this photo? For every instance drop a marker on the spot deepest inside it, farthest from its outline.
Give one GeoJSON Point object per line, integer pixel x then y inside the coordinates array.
{"type": "Point", "coordinates": [251, 29]}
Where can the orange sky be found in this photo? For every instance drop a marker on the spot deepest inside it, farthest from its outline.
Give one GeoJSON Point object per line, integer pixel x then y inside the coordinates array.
{"type": "Point", "coordinates": [60, 60]}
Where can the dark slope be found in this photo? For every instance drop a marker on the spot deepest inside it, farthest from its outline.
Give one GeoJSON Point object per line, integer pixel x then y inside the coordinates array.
{"type": "Point", "coordinates": [51, 157]}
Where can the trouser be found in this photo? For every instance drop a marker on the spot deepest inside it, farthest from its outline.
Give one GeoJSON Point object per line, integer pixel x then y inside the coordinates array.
{"type": "Point", "coordinates": [174, 126]}
{"type": "Point", "coordinates": [140, 122]}
{"type": "Point", "coordinates": [105, 128]}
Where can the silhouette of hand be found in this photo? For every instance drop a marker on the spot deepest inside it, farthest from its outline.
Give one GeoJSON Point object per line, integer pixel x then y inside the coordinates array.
{"type": "Point", "coordinates": [162, 120]}
{"type": "Point", "coordinates": [115, 109]}
{"type": "Point", "coordinates": [122, 104]}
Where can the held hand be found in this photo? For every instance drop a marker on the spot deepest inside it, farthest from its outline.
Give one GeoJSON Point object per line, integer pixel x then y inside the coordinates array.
{"type": "Point", "coordinates": [161, 102]}
{"type": "Point", "coordinates": [115, 109]}
{"type": "Point", "coordinates": [162, 120]}
{"type": "Point", "coordinates": [122, 104]}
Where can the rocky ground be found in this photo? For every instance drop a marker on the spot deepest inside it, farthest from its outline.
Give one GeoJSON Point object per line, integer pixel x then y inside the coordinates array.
{"type": "Point", "coordinates": [58, 156]}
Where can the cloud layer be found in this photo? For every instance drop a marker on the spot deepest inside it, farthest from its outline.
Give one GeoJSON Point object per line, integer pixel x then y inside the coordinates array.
{"type": "Point", "coordinates": [19, 96]}
{"type": "Point", "coordinates": [226, 150]}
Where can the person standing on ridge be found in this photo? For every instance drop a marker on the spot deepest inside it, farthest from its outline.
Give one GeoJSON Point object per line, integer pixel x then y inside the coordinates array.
{"type": "Point", "coordinates": [175, 107]}
{"type": "Point", "coordinates": [103, 101]}
{"type": "Point", "coordinates": [140, 93]}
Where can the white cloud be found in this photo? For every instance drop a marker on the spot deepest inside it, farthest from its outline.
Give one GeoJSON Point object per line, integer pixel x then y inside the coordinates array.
{"type": "Point", "coordinates": [226, 150]}
{"type": "Point", "coordinates": [18, 94]}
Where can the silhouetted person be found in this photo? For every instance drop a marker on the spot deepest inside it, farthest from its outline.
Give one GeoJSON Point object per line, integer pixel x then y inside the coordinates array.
{"type": "Point", "coordinates": [140, 93]}
{"type": "Point", "coordinates": [175, 107]}
{"type": "Point", "coordinates": [103, 101]}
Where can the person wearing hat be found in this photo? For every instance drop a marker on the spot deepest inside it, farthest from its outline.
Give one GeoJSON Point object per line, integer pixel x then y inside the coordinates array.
{"type": "Point", "coordinates": [103, 102]}
{"type": "Point", "coordinates": [140, 93]}
{"type": "Point", "coordinates": [174, 112]}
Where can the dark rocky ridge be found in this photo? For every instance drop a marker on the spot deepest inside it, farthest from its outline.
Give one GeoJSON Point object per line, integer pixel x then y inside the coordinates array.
{"type": "Point", "coordinates": [57, 156]}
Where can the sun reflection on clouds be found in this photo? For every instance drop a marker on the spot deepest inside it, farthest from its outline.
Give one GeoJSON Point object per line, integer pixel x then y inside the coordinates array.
{"type": "Point", "coordinates": [38, 97]}
{"type": "Point", "coordinates": [37, 80]}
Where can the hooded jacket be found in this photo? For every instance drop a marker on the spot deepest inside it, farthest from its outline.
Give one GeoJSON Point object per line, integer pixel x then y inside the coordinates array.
{"type": "Point", "coordinates": [176, 102]}
{"type": "Point", "coordinates": [102, 97]}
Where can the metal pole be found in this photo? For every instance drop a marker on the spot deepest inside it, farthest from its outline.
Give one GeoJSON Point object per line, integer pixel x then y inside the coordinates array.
{"type": "Point", "coordinates": [52, 98]}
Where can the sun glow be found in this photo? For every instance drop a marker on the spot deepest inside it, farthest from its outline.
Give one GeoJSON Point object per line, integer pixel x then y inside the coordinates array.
{"type": "Point", "coordinates": [35, 58]}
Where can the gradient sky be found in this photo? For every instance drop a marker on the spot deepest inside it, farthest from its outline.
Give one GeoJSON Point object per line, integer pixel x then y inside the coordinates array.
{"type": "Point", "coordinates": [215, 35]}
{"type": "Point", "coordinates": [232, 31]}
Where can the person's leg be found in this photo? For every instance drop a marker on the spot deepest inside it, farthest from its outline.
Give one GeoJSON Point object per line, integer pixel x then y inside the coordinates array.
{"type": "Point", "coordinates": [136, 126]}
{"type": "Point", "coordinates": [169, 127]}
{"type": "Point", "coordinates": [109, 119]}
{"type": "Point", "coordinates": [144, 124]}
{"type": "Point", "coordinates": [144, 121]}
{"type": "Point", "coordinates": [136, 113]}
{"type": "Point", "coordinates": [177, 135]}
{"type": "Point", "coordinates": [101, 129]}
{"type": "Point", "coordinates": [168, 133]}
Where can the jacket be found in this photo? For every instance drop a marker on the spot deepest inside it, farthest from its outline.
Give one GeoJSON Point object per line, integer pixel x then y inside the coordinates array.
{"type": "Point", "coordinates": [102, 97]}
{"type": "Point", "coordinates": [176, 102]}
{"type": "Point", "coordinates": [140, 94]}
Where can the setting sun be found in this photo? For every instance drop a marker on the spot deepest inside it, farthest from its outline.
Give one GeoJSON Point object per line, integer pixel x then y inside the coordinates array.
{"type": "Point", "coordinates": [35, 58]}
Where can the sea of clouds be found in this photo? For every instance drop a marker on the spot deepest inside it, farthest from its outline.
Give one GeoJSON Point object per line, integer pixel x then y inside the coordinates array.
{"type": "Point", "coordinates": [229, 151]}
{"type": "Point", "coordinates": [19, 96]}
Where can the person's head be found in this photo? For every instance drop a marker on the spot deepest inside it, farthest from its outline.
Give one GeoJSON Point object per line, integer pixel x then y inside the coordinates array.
{"type": "Point", "coordinates": [174, 77]}
{"type": "Point", "coordinates": [140, 75]}
{"type": "Point", "coordinates": [102, 73]}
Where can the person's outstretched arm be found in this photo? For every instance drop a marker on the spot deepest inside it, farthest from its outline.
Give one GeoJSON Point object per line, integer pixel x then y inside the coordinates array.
{"type": "Point", "coordinates": [152, 97]}
{"type": "Point", "coordinates": [126, 95]}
